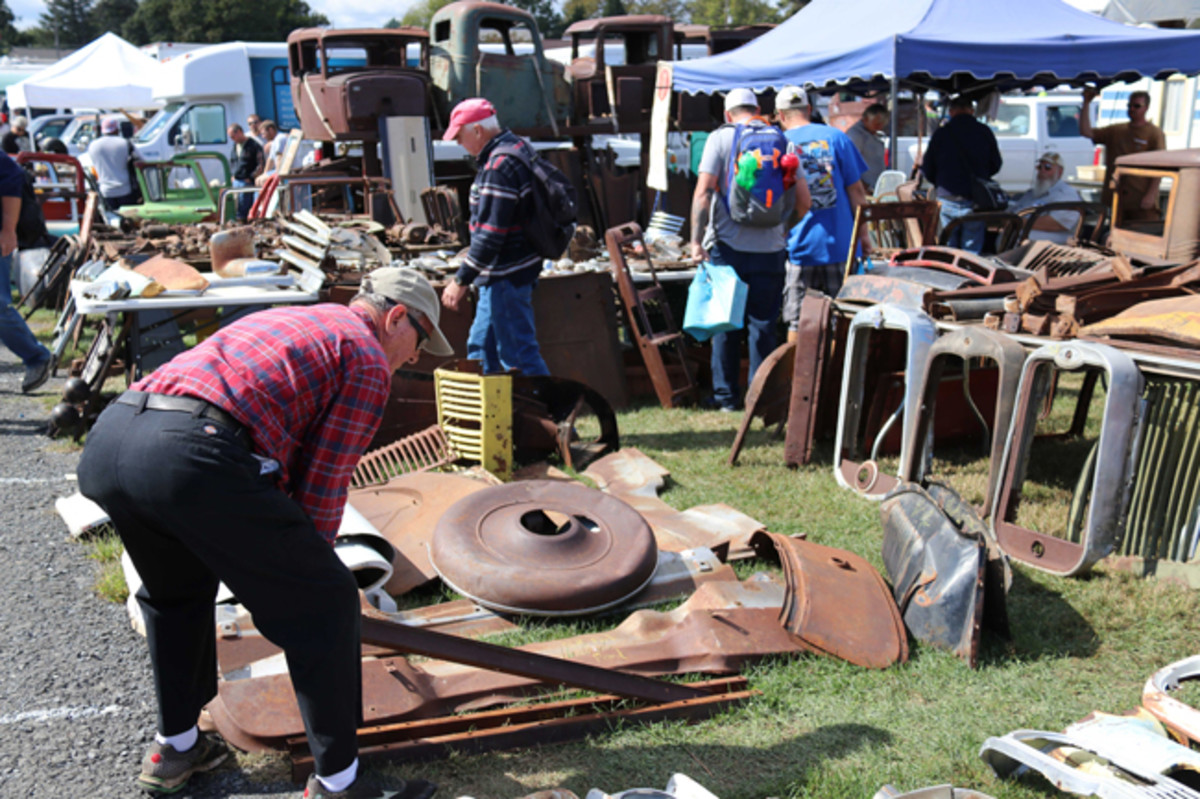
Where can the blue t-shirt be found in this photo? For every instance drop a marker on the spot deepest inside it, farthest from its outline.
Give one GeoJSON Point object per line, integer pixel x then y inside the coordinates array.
{"type": "Point", "coordinates": [831, 162]}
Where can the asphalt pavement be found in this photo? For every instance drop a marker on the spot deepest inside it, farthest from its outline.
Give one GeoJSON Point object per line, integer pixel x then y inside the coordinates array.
{"type": "Point", "coordinates": [76, 698]}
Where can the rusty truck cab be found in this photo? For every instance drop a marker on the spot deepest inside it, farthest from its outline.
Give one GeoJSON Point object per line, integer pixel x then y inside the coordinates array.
{"type": "Point", "coordinates": [1174, 236]}
{"type": "Point", "coordinates": [604, 83]}
{"type": "Point", "coordinates": [343, 81]}
{"type": "Point", "coordinates": [480, 49]}
{"type": "Point", "coordinates": [703, 112]}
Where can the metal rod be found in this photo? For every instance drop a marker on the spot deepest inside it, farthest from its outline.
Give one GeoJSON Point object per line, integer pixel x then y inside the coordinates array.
{"type": "Point", "coordinates": [524, 664]}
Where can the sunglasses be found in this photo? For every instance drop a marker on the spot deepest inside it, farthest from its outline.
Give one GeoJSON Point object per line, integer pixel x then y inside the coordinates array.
{"type": "Point", "coordinates": [422, 325]}
{"type": "Point", "coordinates": [1045, 167]}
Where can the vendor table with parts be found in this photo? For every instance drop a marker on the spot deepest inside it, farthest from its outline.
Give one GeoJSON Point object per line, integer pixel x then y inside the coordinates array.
{"type": "Point", "coordinates": [149, 331]}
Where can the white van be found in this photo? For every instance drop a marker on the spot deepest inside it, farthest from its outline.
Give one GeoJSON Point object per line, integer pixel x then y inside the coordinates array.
{"type": "Point", "coordinates": [1025, 128]}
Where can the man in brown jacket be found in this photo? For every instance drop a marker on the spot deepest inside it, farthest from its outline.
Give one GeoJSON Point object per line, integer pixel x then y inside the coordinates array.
{"type": "Point", "coordinates": [1139, 196]}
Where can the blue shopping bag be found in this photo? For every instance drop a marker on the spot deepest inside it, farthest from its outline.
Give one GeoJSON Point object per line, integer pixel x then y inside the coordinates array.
{"type": "Point", "coordinates": [716, 302]}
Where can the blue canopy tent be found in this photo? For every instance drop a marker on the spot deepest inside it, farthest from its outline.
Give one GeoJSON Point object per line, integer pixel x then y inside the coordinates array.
{"type": "Point", "coordinates": [947, 45]}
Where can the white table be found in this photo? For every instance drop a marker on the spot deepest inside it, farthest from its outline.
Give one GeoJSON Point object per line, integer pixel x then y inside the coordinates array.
{"type": "Point", "coordinates": [152, 331]}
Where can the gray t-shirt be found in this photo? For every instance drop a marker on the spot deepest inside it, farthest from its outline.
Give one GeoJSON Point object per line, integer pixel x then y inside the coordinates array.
{"type": "Point", "coordinates": [871, 148]}
{"type": "Point", "coordinates": [714, 161]}
{"type": "Point", "coordinates": [1060, 192]}
{"type": "Point", "coordinates": [110, 156]}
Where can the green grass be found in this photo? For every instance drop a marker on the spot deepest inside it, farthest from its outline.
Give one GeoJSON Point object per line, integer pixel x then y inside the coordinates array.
{"type": "Point", "coordinates": [825, 728]}
{"type": "Point", "coordinates": [105, 548]}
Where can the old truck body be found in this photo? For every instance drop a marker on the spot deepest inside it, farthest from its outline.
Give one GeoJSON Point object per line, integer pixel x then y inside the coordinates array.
{"type": "Point", "coordinates": [343, 81]}
{"type": "Point", "coordinates": [528, 90]}
{"type": "Point", "coordinates": [1175, 235]}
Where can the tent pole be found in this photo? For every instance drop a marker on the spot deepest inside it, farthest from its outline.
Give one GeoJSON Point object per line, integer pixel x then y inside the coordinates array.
{"type": "Point", "coordinates": [894, 122]}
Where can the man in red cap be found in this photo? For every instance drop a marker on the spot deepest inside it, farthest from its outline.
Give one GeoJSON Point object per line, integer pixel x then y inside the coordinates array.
{"type": "Point", "coordinates": [501, 262]}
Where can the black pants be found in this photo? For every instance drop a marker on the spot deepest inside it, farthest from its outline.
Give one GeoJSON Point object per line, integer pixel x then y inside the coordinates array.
{"type": "Point", "coordinates": [192, 509]}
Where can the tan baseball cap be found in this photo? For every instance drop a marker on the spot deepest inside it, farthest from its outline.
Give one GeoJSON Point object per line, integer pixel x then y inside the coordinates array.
{"type": "Point", "coordinates": [408, 287]}
{"type": "Point", "coordinates": [1050, 157]}
{"type": "Point", "coordinates": [791, 97]}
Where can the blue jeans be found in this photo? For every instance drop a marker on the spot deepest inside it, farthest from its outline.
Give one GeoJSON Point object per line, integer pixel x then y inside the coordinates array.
{"type": "Point", "coordinates": [763, 273]}
{"type": "Point", "coordinates": [244, 201]}
{"type": "Point", "coordinates": [502, 336]}
{"type": "Point", "coordinates": [967, 237]}
{"type": "Point", "coordinates": [14, 333]}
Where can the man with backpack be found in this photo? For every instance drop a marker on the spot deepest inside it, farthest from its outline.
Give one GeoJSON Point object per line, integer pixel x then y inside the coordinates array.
{"type": "Point", "coordinates": [503, 261]}
{"type": "Point", "coordinates": [744, 202]}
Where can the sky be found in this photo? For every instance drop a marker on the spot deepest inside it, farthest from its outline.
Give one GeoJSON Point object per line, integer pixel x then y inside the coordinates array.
{"type": "Point", "coordinates": [341, 13]}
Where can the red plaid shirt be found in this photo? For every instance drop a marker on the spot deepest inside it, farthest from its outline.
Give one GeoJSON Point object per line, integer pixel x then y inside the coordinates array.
{"type": "Point", "coordinates": [308, 383]}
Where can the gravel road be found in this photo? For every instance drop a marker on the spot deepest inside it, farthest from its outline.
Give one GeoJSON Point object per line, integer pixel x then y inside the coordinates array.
{"type": "Point", "coordinates": [76, 702]}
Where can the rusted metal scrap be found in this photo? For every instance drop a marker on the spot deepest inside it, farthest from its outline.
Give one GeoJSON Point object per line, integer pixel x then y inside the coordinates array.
{"type": "Point", "coordinates": [722, 627]}
{"type": "Point", "coordinates": [543, 547]}
{"type": "Point", "coordinates": [768, 394]}
{"type": "Point", "coordinates": [1181, 719]}
{"type": "Point", "coordinates": [961, 263]}
{"type": "Point", "coordinates": [418, 452]}
{"type": "Point", "coordinates": [807, 372]}
{"type": "Point", "coordinates": [1098, 514]}
{"type": "Point", "coordinates": [872, 289]}
{"type": "Point", "coordinates": [855, 458]}
{"type": "Point", "coordinates": [968, 346]}
{"type": "Point", "coordinates": [1161, 534]}
{"type": "Point", "coordinates": [406, 510]}
{"type": "Point", "coordinates": [948, 574]}
{"type": "Point", "coordinates": [635, 478]}
{"type": "Point", "coordinates": [837, 603]}
{"type": "Point", "coordinates": [544, 723]}
{"type": "Point", "coordinates": [1109, 765]}
{"type": "Point", "coordinates": [651, 323]}
{"type": "Point", "coordinates": [1174, 321]}
{"type": "Point", "coordinates": [242, 651]}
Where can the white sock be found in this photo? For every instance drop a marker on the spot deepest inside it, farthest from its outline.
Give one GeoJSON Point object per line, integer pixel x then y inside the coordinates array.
{"type": "Point", "coordinates": [342, 780]}
{"type": "Point", "coordinates": [181, 742]}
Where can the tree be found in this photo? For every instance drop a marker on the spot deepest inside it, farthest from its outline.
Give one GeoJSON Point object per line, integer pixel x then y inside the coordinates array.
{"type": "Point", "coordinates": [419, 14]}
{"type": "Point", "coordinates": [574, 11]}
{"type": "Point", "coordinates": [65, 23]}
{"type": "Point", "coordinates": [9, 35]}
{"type": "Point", "coordinates": [675, 9]}
{"type": "Point", "coordinates": [111, 15]}
{"type": "Point", "coordinates": [549, 21]}
{"type": "Point", "coordinates": [392, 24]}
{"type": "Point", "coordinates": [733, 12]}
{"type": "Point", "coordinates": [150, 23]}
{"type": "Point", "coordinates": [614, 8]}
{"type": "Point", "coordinates": [219, 20]}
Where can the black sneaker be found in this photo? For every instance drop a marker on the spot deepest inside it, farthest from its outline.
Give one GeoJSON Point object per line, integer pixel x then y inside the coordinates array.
{"type": "Point", "coordinates": [35, 376]}
{"type": "Point", "coordinates": [713, 404]}
{"type": "Point", "coordinates": [166, 771]}
{"type": "Point", "coordinates": [369, 787]}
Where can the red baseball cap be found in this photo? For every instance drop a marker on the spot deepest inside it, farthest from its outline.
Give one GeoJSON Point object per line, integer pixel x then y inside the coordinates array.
{"type": "Point", "coordinates": [465, 113]}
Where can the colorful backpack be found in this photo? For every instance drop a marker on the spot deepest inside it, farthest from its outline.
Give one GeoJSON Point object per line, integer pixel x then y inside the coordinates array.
{"type": "Point", "coordinates": [754, 177]}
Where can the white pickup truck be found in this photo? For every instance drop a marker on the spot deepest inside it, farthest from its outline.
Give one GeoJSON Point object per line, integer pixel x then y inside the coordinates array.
{"type": "Point", "coordinates": [1025, 128]}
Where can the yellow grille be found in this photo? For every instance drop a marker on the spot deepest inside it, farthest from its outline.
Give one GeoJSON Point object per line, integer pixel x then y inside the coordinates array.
{"type": "Point", "coordinates": [475, 413]}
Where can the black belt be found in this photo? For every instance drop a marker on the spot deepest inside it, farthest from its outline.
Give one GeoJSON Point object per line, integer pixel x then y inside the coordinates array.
{"type": "Point", "coordinates": [192, 405]}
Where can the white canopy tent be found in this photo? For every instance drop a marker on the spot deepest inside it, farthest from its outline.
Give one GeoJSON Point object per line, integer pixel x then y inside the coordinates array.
{"type": "Point", "coordinates": [108, 73]}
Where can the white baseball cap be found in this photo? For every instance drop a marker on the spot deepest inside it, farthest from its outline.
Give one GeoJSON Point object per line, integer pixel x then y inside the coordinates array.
{"type": "Point", "coordinates": [740, 97]}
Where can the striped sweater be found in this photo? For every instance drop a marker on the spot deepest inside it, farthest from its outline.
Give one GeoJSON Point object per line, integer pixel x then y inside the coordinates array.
{"type": "Point", "coordinates": [500, 200]}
